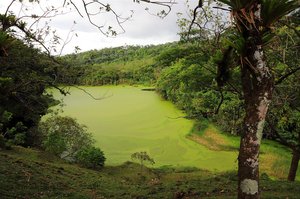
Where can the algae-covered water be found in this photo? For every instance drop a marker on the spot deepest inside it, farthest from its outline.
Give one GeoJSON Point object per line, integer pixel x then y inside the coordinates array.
{"type": "Point", "coordinates": [129, 120]}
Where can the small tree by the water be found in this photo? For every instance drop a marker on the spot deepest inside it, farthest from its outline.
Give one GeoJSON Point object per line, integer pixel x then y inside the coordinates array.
{"type": "Point", "coordinates": [142, 157]}
{"type": "Point", "coordinates": [64, 136]}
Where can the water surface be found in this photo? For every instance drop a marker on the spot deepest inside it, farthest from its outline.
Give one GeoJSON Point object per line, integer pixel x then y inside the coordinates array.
{"type": "Point", "coordinates": [129, 120]}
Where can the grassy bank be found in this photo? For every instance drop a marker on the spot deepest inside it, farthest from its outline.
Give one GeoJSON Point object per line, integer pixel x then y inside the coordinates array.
{"type": "Point", "coordinates": [29, 173]}
{"type": "Point", "coordinates": [274, 158]}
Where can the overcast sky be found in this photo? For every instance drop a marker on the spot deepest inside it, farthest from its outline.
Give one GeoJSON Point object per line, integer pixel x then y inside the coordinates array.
{"type": "Point", "coordinates": [142, 29]}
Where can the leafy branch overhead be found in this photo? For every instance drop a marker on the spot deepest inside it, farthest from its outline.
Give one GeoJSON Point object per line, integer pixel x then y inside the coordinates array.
{"type": "Point", "coordinates": [244, 19]}
{"type": "Point", "coordinates": [100, 15]}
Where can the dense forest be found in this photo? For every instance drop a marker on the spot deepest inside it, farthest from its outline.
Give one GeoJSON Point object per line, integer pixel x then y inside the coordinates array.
{"type": "Point", "coordinates": [245, 80]}
{"type": "Point", "coordinates": [187, 74]}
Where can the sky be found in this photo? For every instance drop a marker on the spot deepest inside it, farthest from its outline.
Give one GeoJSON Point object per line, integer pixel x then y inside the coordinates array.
{"type": "Point", "coordinates": [142, 28]}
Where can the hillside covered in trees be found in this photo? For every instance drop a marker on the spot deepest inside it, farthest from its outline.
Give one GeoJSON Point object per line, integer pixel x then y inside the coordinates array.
{"type": "Point", "coordinates": [238, 83]}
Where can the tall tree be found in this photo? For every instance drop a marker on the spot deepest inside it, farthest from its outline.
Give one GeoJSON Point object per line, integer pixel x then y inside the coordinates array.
{"type": "Point", "coordinates": [252, 30]}
{"type": "Point", "coordinates": [284, 118]}
{"type": "Point", "coordinates": [253, 21]}
{"type": "Point", "coordinates": [25, 74]}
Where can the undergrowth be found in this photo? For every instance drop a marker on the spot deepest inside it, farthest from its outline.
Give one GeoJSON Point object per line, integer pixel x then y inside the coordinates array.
{"type": "Point", "coordinates": [29, 173]}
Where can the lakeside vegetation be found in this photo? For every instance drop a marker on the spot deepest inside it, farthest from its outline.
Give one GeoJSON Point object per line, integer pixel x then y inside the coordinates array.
{"type": "Point", "coordinates": [220, 82]}
{"type": "Point", "coordinates": [188, 81]}
{"type": "Point", "coordinates": [37, 174]}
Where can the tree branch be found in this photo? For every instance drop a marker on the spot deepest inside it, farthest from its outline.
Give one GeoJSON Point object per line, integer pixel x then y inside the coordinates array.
{"type": "Point", "coordinates": [6, 12]}
{"type": "Point", "coordinates": [76, 8]}
{"type": "Point", "coordinates": [200, 4]}
{"type": "Point", "coordinates": [95, 98]}
{"type": "Point", "coordinates": [167, 4]}
{"type": "Point", "coordinates": [221, 101]}
{"type": "Point", "coordinates": [297, 32]}
{"type": "Point", "coordinates": [282, 78]}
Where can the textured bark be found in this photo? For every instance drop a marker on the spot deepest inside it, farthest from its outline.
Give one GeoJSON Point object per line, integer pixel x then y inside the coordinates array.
{"type": "Point", "coordinates": [257, 94]}
{"type": "Point", "coordinates": [294, 165]}
{"type": "Point", "coordinates": [257, 82]}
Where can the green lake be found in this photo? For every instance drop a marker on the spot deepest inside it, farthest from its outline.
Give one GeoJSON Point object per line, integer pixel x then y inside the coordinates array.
{"type": "Point", "coordinates": [129, 120]}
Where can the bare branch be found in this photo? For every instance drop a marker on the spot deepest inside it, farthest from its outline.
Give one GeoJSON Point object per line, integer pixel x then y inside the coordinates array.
{"type": "Point", "coordinates": [32, 36]}
{"type": "Point", "coordinates": [62, 91]}
{"type": "Point", "coordinates": [95, 98]}
{"type": "Point", "coordinates": [68, 38]}
{"type": "Point", "coordinates": [282, 78]}
{"type": "Point", "coordinates": [221, 101]}
{"type": "Point", "coordinates": [6, 12]}
{"type": "Point", "coordinates": [167, 4]}
{"type": "Point", "coordinates": [105, 8]}
{"type": "Point", "coordinates": [76, 8]}
{"type": "Point", "coordinates": [200, 4]}
{"type": "Point", "coordinates": [220, 8]}
{"type": "Point", "coordinates": [64, 4]}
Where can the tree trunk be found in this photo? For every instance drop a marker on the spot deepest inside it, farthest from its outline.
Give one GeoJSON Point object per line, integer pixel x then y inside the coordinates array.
{"type": "Point", "coordinates": [257, 82]}
{"type": "Point", "coordinates": [257, 95]}
{"type": "Point", "coordinates": [294, 165]}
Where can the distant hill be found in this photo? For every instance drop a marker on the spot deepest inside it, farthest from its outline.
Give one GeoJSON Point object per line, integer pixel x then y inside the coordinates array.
{"type": "Point", "coordinates": [125, 64]}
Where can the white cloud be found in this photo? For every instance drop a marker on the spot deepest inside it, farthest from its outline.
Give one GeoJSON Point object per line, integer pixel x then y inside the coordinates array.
{"type": "Point", "coordinates": [143, 28]}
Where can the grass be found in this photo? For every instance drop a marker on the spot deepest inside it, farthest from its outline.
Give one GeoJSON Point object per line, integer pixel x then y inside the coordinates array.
{"type": "Point", "coordinates": [29, 173]}
{"type": "Point", "coordinates": [274, 158]}
{"type": "Point", "coordinates": [210, 137]}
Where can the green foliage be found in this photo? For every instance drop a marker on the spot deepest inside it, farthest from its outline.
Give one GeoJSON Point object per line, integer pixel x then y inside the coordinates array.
{"type": "Point", "coordinates": [24, 77]}
{"type": "Point", "coordinates": [55, 143]}
{"type": "Point", "coordinates": [189, 83]}
{"type": "Point", "coordinates": [36, 174]}
{"type": "Point", "coordinates": [235, 40]}
{"type": "Point", "coordinates": [142, 157]}
{"type": "Point", "coordinates": [171, 54]}
{"type": "Point", "coordinates": [272, 10]}
{"type": "Point", "coordinates": [289, 127]}
{"type": "Point", "coordinates": [12, 135]}
{"type": "Point", "coordinates": [5, 42]}
{"type": "Point", "coordinates": [284, 112]}
{"type": "Point", "coordinates": [91, 157]}
{"type": "Point", "coordinates": [64, 136]}
{"type": "Point", "coordinates": [2, 142]}
{"type": "Point", "coordinates": [126, 64]}
{"type": "Point", "coordinates": [231, 114]}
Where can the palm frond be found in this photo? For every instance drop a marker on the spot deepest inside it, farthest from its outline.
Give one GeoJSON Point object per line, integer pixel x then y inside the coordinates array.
{"type": "Point", "coordinates": [268, 37]}
{"type": "Point", "coordinates": [237, 4]}
{"type": "Point", "coordinates": [273, 10]}
{"type": "Point", "coordinates": [236, 41]}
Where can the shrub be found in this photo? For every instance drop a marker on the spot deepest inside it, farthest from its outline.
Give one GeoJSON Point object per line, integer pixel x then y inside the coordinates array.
{"type": "Point", "coordinates": [55, 143]}
{"type": "Point", "coordinates": [64, 136]}
{"type": "Point", "coordinates": [2, 142]}
{"type": "Point", "coordinates": [12, 133]}
{"type": "Point", "coordinates": [91, 157]}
